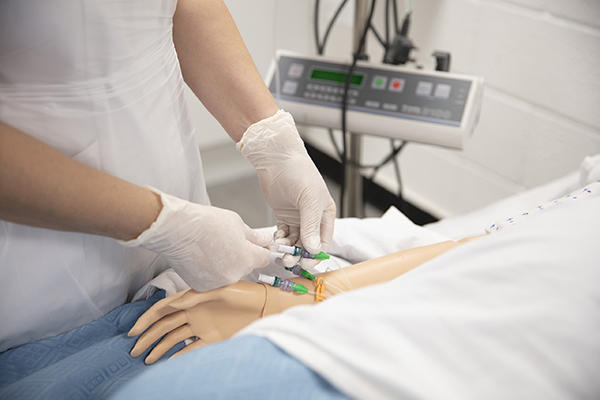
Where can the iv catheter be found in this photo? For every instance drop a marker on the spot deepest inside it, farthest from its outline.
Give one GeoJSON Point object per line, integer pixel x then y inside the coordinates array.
{"type": "Point", "coordinates": [284, 284]}
{"type": "Point", "coordinates": [299, 271]}
{"type": "Point", "coordinates": [297, 251]}
{"type": "Point", "coordinates": [290, 286]}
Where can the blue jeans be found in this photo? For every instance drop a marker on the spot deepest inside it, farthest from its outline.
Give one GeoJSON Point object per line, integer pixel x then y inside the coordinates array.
{"type": "Point", "coordinates": [248, 367]}
{"type": "Point", "coordinates": [90, 362]}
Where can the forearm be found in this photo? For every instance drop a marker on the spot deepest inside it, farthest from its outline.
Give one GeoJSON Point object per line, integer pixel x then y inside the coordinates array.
{"type": "Point", "coordinates": [370, 272]}
{"type": "Point", "coordinates": [217, 66]}
{"type": "Point", "coordinates": [42, 187]}
{"type": "Point", "coordinates": [386, 268]}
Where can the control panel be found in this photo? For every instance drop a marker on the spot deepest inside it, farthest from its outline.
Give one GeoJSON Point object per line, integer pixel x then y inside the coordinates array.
{"type": "Point", "coordinates": [393, 101]}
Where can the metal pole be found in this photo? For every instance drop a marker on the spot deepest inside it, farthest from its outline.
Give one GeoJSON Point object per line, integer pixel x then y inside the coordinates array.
{"type": "Point", "coordinates": [353, 199]}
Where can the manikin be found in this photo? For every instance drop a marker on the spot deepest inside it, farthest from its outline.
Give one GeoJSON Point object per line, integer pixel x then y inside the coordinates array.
{"type": "Point", "coordinates": [218, 314]}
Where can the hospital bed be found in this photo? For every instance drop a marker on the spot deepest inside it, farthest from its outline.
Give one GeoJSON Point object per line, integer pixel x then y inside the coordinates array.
{"type": "Point", "coordinates": [536, 348]}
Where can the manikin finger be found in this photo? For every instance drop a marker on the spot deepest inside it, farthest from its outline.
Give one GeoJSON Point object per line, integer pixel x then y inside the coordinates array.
{"type": "Point", "coordinates": [170, 340]}
{"type": "Point", "coordinates": [196, 345]}
{"type": "Point", "coordinates": [259, 238]}
{"type": "Point", "coordinates": [157, 330]}
{"type": "Point", "coordinates": [154, 313]}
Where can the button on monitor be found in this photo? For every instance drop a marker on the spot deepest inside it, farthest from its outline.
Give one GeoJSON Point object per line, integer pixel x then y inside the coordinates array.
{"type": "Point", "coordinates": [442, 91]}
{"type": "Point", "coordinates": [396, 85]}
{"type": "Point", "coordinates": [289, 87]}
{"type": "Point", "coordinates": [424, 88]}
{"type": "Point", "coordinates": [379, 82]}
{"type": "Point", "coordinates": [295, 70]}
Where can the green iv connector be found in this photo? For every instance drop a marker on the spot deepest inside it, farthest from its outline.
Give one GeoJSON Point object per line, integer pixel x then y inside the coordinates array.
{"type": "Point", "coordinates": [298, 288]}
{"type": "Point", "coordinates": [299, 271]}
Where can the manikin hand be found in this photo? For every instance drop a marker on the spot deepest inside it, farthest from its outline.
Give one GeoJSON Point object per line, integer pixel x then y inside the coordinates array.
{"type": "Point", "coordinates": [211, 316]}
{"type": "Point", "coordinates": [216, 315]}
{"type": "Point", "coordinates": [292, 184]}
{"type": "Point", "coordinates": [207, 246]}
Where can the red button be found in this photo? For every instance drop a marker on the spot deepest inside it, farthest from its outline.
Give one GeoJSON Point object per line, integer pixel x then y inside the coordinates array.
{"type": "Point", "coordinates": [396, 85]}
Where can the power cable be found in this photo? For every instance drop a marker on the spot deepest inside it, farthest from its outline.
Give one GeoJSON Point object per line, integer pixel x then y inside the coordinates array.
{"type": "Point", "coordinates": [385, 43]}
{"type": "Point", "coordinates": [355, 57]}
{"type": "Point", "coordinates": [387, 24]}
{"type": "Point", "coordinates": [395, 14]}
{"type": "Point", "coordinates": [336, 14]}
{"type": "Point", "coordinates": [378, 36]}
{"type": "Point", "coordinates": [397, 171]}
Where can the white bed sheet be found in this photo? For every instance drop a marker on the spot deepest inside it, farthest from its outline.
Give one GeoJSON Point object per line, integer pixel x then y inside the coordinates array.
{"type": "Point", "coordinates": [475, 222]}
{"type": "Point", "coordinates": [511, 315]}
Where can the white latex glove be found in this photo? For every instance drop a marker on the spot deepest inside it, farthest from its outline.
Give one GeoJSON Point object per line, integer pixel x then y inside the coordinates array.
{"type": "Point", "coordinates": [207, 246]}
{"type": "Point", "coordinates": [294, 189]}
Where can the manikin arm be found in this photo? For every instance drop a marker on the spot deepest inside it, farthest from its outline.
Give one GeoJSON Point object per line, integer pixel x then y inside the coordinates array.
{"type": "Point", "coordinates": [218, 314]}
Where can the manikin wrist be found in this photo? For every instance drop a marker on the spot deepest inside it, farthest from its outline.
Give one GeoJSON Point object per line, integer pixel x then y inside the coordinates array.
{"type": "Point", "coordinates": [277, 300]}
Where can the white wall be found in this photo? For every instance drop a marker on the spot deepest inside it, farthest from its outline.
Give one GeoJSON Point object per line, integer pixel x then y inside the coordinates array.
{"type": "Point", "coordinates": [541, 111]}
{"type": "Point", "coordinates": [540, 115]}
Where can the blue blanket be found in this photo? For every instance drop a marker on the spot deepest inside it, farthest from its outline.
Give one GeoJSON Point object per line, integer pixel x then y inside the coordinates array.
{"type": "Point", "coordinates": [90, 362]}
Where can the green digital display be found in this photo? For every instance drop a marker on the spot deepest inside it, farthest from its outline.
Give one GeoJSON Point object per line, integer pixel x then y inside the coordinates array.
{"type": "Point", "coordinates": [335, 76]}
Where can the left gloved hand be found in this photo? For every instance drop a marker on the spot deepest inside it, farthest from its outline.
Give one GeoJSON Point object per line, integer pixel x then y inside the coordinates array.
{"type": "Point", "coordinates": [292, 184]}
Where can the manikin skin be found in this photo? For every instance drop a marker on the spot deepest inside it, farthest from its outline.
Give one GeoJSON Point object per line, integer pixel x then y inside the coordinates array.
{"type": "Point", "coordinates": [220, 313]}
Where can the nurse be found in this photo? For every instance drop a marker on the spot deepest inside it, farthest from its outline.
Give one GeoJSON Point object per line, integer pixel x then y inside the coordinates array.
{"type": "Point", "coordinates": [101, 183]}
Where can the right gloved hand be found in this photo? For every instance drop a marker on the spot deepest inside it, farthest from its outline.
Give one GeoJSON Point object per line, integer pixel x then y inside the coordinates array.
{"type": "Point", "coordinates": [207, 246]}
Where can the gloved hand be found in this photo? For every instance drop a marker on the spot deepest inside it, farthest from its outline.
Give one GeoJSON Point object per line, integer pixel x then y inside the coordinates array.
{"type": "Point", "coordinates": [207, 246]}
{"type": "Point", "coordinates": [292, 184]}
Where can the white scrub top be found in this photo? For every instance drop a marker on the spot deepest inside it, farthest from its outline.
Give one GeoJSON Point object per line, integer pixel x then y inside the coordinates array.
{"type": "Point", "coordinates": [99, 81]}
